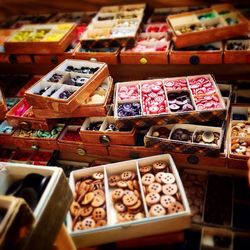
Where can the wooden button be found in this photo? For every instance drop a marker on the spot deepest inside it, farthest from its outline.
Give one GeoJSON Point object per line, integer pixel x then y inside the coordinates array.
{"type": "Point", "coordinates": [98, 214]}
{"type": "Point", "coordinates": [175, 207]}
{"type": "Point", "coordinates": [122, 184]}
{"type": "Point", "coordinates": [120, 207]}
{"type": "Point", "coordinates": [101, 223]}
{"type": "Point", "coordinates": [157, 210]}
{"type": "Point", "coordinates": [99, 192]}
{"type": "Point", "coordinates": [126, 175]}
{"type": "Point", "coordinates": [78, 226]}
{"type": "Point", "coordinates": [88, 198]}
{"type": "Point", "coordinates": [145, 169]}
{"type": "Point", "coordinates": [152, 198]}
{"type": "Point", "coordinates": [168, 178]}
{"type": "Point", "coordinates": [86, 211]}
{"type": "Point", "coordinates": [117, 194]}
{"type": "Point", "coordinates": [98, 176]}
{"type": "Point", "coordinates": [154, 187]}
{"type": "Point", "coordinates": [113, 179]}
{"type": "Point", "coordinates": [83, 187]}
{"type": "Point", "coordinates": [166, 200]}
{"type": "Point", "coordinates": [88, 223]}
{"type": "Point", "coordinates": [98, 201]}
{"type": "Point", "coordinates": [148, 179]}
{"type": "Point", "coordinates": [121, 217]}
{"type": "Point", "coordinates": [136, 206]}
{"type": "Point", "coordinates": [74, 208]}
{"type": "Point", "coordinates": [169, 189]}
{"type": "Point", "coordinates": [127, 191]}
{"type": "Point", "coordinates": [129, 200]}
{"type": "Point", "coordinates": [159, 165]}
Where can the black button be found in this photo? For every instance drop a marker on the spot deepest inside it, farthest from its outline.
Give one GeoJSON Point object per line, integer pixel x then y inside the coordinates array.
{"type": "Point", "coordinates": [193, 159]}
{"type": "Point", "coordinates": [194, 60]}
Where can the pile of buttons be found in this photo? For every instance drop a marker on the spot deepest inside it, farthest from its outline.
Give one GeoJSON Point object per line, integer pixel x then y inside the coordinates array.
{"type": "Point", "coordinates": [88, 209]}
{"type": "Point", "coordinates": [238, 46]}
{"type": "Point", "coordinates": [182, 135]}
{"type": "Point", "coordinates": [201, 85]}
{"type": "Point", "coordinates": [65, 94]}
{"type": "Point", "coordinates": [129, 109]}
{"type": "Point", "coordinates": [95, 126]}
{"type": "Point", "coordinates": [161, 132]}
{"type": "Point", "coordinates": [55, 77]}
{"type": "Point", "coordinates": [206, 137]}
{"type": "Point", "coordinates": [180, 101]}
{"type": "Point", "coordinates": [76, 81]}
{"type": "Point", "coordinates": [129, 92]}
{"type": "Point", "coordinates": [176, 84]}
{"type": "Point", "coordinates": [153, 98]}
{"type": "Point", "coordinates": [83, 70]}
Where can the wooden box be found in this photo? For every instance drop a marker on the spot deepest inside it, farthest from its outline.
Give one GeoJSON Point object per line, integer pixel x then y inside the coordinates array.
{"type": "Point", "coordinates": [150, 48]}
{"type": "Point", "coordinates": [216, 23]}
{"type": "Point", "coordinates": [4, 34]}
{"type": "Point", "coordinates": [237, 51]}
{"type": "Point", "coordinates": [6, 132]}
{"type": "Point", "coordinates": [16, 217]}
{"type": "Point", "coordinates": [148, 103]}
{"type": "Point", "coordinates": [115, 230]}
{"type": "Point", "coordinates": [200, 54]}
{"type": "Point", "coordinates": [3, 107]}
{"type": "Point", "coordinates": [105, 135]}
{"type": "Point", "coordinates": [203, 140]}
{"type": "Point", "coordinates": [76, 146]}
{"type": "Point", "coordinates": [22, 115]}
{"type": "Point", "coordinates": [114, 27]}
{"type": "Point", "coordinates": [58, 95]}
{"type": "Point", "coordinates": [45, 38]}
{"type": "Point", "coordinates": [56, 196]}
{"type": "Point", "coordinates": [89, 107]}
{"type": "Point", "coordinates": [107, 55]}
{"type": "Point", "coordinates": [239, 137]}
{"type": "Point", "coordinates": [37, 138]}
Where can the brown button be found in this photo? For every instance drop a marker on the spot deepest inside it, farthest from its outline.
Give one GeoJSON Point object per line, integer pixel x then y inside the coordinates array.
{"type": "Point", "coordinates": [154, 187]}
{"type": "Point", "coordinates": [175, 207]}
{"type": "Point", "coordinates": [120, 207]}
{"type": "Point", "coordinates": [129, 216]}
{"type": "Point", "coordinates": [157, 210]}
{"type": "Point", "coordinates": [98, 201]}
{"type": "Point", "coordinates": [145, 169]}
{"type": "Point", "coordinates": [136, 184]}
{"type": "Point", "coordinates": [121, 217]}
{"type": "Point", "coordinates": [122, 184]}
{"type": "Point", "coordinates": [88, 198]}
{"type": "Point", "coordinates": [86, 211]}
{"type": "Point", "coordinates": [136, 192]}
{"type": "Point", "coordinates": [168, 178]}
{"type": "Point", "coordinates": [101, 223]}
{"type": "Point", "coordinates": [136, 206]}
{"type": "Point", "coordinates": [113, 179]}
{"type": "Point", "coordinates": [159, 165]}
{"type": "Point", "coordinates": [98, 214]}
{"type": "Point", "coordinates": [129, 200]}
{"type": "Point", "coordinates": [139, 216]}
{"type": "Point", "coordinates": [117, 194]}
{"type": "Point", "coordinates": [99, 192]}
{"type": "Point", "coordinates": [166, 200]}
{"type": "Point", "coordinates": [88, 223]}
{"type": "Point", "coordinates": [148, 179]}
{"type": "Point", "coordinates": [126, 175]}
{"type": "Point", "coordinates": [74, 208]}
{"type": "Point", "coordinates": [82, 188]}
{"type": "Point", "coordinates": [78, 226]}
{"type": "Point", "coordinates": [130, 184]}
{"type": "Point", "coordinates": [152, 198]}
{"type": "Point", "coordinates": [98, 175]}
{"type": "Point", "coordinates": [127, 191]}
{"type": "Point", "coordinates": [169, 189]}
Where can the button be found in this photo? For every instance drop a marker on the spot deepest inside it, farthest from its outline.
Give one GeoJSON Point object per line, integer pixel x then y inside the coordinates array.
{"type": "Point", "coordinates": [143, 60]}
{"type": "Point", "coordinates": [157, 210]}
{"type": "Point", "coordinates": [80, 151]}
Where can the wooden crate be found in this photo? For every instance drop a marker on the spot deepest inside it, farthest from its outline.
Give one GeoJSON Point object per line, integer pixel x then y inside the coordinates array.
{"type": "Point", "coordinates": [80, 93]}
{"type": "Point", "coordinates": [27, 120]}
{"type": "Point", "coordinates": [66, 35]}
{"type": "Point", "coordinates": [232, 56]}
{"type": "Point", "coordinates": [98, 54]}
{"type": "Point", "coordinates": [85, 109]}
{"type": "Point", "coordinates": [115, 231]}
{"type": "Point", "coordinates": [56, 197]}
{"type": "Point", "coordinates": [204, 34]}
{"type": "Point", "coordinates": [195, 56]}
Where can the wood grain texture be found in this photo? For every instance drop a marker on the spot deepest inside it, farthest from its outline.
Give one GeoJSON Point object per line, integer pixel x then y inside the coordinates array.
{"type": "Point", "coordinates": [17, 7]}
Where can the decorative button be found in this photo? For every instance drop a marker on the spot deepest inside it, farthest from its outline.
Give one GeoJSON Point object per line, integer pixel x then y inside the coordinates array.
{"type": "Point", "coordinates": [81, 151]}
{"type": "Point", "coordinates": [104, 139]}
{"type": "Point", "coordinates": [143, 60]}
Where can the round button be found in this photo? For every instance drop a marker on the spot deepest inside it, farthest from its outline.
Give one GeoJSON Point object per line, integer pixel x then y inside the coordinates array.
{"type": "Point", "coordinates": [104, 139]}
{"type": "Point", "coordinates": [143, 60]}
{"type": "Point", "coordinates": [81, 151]}
{"type": "Point", "coordinates": [194, 60]}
